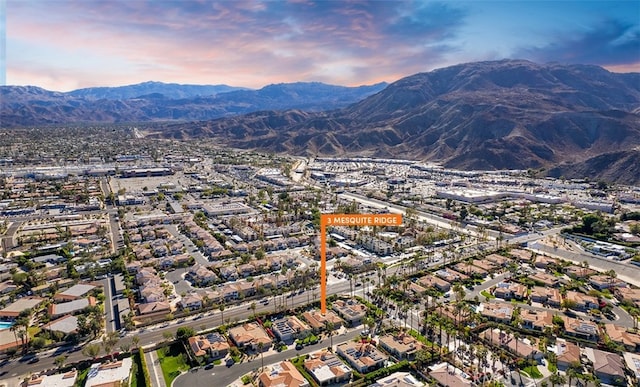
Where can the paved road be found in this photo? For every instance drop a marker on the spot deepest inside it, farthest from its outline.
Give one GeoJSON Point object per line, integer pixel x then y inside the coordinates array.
{"type": "Point", "coordinates": [154, 334]}
{"type": "Point", "coordinates": [8, 239]}
{"type": "Point", "coordinates": [625, 271]}
{"type": "Point", "coordinates": [224, 376]}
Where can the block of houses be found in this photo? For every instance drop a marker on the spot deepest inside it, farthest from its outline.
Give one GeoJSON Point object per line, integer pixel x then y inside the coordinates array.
{"type": "Point", "coordinates": [470, 270]}
{"type": "Point", "coordinates": [244, 288]}
{"type": "Point", "coordinates": [497, 259]}
{"type": "Point", "coordinates": [14, 309]}
{"type": "Point", "coordinates": [632, 361]}
{"type": "Point", "coordinates": [431, 281]}
{"type": "Point", "coordinates": [152, 291]}
{"type": "Point", "coordinates": [351, 311]}
{"type": "Point", "coordinates": [536, 319]}
{"type": "Point", "coordinates": [154, 308]}
{"type": "Point", "coordinates": [147, 274]}
{"type": "Point", "coordinates": [519, 347]}
{"type": "Point", "coordinates": [567, 353]}
{"type": "Point", "coordinates": [448, 375]}
{"type": "Point", "coordinates": [542, 262]}
{"type": "Point", "coordinates": [510, 290]}
{"type": "Point", "coordinates": [191, 301]}
{"type": "Point", "coordinates": [7, 287]}
{"type": "Point", "coordinates": [401, 345]}
{"type": "Point", "coordinates": [290, 328]}
{"type": "Point", "coordinates": [450, 275]}
{"type": "Point", "coordinates": [485, 265]}
{"type": "Point", "coordinates": [602, 282]}
{"type": "Point", "coordinates": [249, 335]}
{"type": "Point", "coordinates": [545, 279]}
{"type": "Point", "coordinates": [282, 374]}
{"type": "Point", "coordinates": [495, 311]}
{"type": "Point", "coordinates": [327, 369]}
{"type": "Point", "coordinates": [546, 296]}
{"type": "Point", "coordinates": [520, 255]}
{"type": "Point", "coordinates": [213, 345]}
{"type": "Point", "coordinates": [67, 324]}
{"type": "Point", "coordinates": [607, 366]}
{"type": "Point", "coordinates": [201, 276]}
{"type": "Point", "coordinates": [581, 301]}
{"type": "Point", "coordinates": [578, 272]}
{"type": "Point", "coordinates": [71, 307]}
{"type": "Point", "coordinates": [110, 374]}
{"type": "Point", "coordinates": [74, 292]}
{"type": "Point", "coordinates": [67, 379]}
{"type": "Point", "coordinates": [586, 330]}
{"type": "Point", "coordinates": [229, 273]}
{"type": "Point", "coordinates": [628, 294]}
{"type": "Point", "coordinates": [318, 321]}
{"type": "Point", "coordinates": [363, 357]}
{"type": "Point", "coordinates": [400, 379]}
{"type": "Point", "coordinates": [619, 335]}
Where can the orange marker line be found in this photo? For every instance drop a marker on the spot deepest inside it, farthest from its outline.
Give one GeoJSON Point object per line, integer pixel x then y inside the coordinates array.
{"type": "Point", "coordinates": [346, 220]}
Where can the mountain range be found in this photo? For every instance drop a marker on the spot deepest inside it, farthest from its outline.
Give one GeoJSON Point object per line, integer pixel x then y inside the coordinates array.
{"type": "Point", "coordinates": [565, 120]}
{"type": "Point", "coordinates": [156, 101]}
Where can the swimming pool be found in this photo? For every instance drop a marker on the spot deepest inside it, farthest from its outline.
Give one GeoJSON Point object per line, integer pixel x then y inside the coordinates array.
{"type": "Point", "coordinates": [5, 325]}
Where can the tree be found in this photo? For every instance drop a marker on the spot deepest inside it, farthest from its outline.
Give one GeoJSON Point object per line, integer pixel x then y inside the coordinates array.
{"type": "Point", "coordinates": [168, 336]}
{"type": "Point", "coordinates": [135, 340]}
{"type": "Point", "coordinates": [109, 341]}
{"type": "Point", "coordinates": [253, 309]}
{"type": "Point", "coordinates": [91, 350]}
{"type": "Point", "coordinates": [221, 308]}
{"type": "Point", "coordinates": [59, 360]}
{"type": "Point", "coordinates": [557, 379]}
{"type": "Point", "coordinates": [330, 326]}
{"type": "Point", "coordinates": [183, 333]}
{"type": "Point", "coordinates": [261, 349]}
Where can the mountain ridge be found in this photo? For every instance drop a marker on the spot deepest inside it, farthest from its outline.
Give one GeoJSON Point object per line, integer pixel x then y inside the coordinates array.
{"type": "Point", "coordinates": [486, 115]}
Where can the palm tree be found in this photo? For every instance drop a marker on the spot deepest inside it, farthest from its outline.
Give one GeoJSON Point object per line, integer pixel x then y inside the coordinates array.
{"type": "Point", "coordinates": [221, 308]}
{"type": "Point", "coordinates": [253, 309]}
{"type": "Point", "coordinates": [330, 326]}
{"type": "Point", "coordinates": [557, 379]}
{"type": "Point", "coordinates": [260, 348]}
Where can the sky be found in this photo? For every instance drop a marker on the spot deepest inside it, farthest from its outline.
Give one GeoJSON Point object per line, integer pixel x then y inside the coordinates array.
{"type": "Point", "coordinates": [64, 45]}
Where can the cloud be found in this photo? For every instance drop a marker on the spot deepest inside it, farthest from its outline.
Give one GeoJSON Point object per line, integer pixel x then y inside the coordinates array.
{"type": "Point", "coordinates": [609, 43]}
{"type": "Point", "coordinates": [247, 43]}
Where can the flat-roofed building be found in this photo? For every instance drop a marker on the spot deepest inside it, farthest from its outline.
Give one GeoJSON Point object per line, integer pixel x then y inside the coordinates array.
{"type": "Point", "coordinates": [66, 324]}
{"type": "Point", "coordinates": [398, 379]}
{"type": "Point", "coordinates": [71, 307]}
{"type": "Point", "coordinates": [14, 309]}
{"type": "Point", "coordinates": [67, 379]}
{"type": "Point", "coordinates": [74, 292]}
{"type": "Point", "coordinates": [110, 374]}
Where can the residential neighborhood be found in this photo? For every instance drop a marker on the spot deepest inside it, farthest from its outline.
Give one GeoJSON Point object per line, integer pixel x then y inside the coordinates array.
{"type": "Point", "coordinates": [206, 269]}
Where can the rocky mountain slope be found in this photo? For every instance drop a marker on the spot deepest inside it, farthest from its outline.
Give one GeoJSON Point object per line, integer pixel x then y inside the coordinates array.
{"type": "Point", "coordinates": [485, 115]}
{"type": "Point", "coordinates": [155, 101]}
